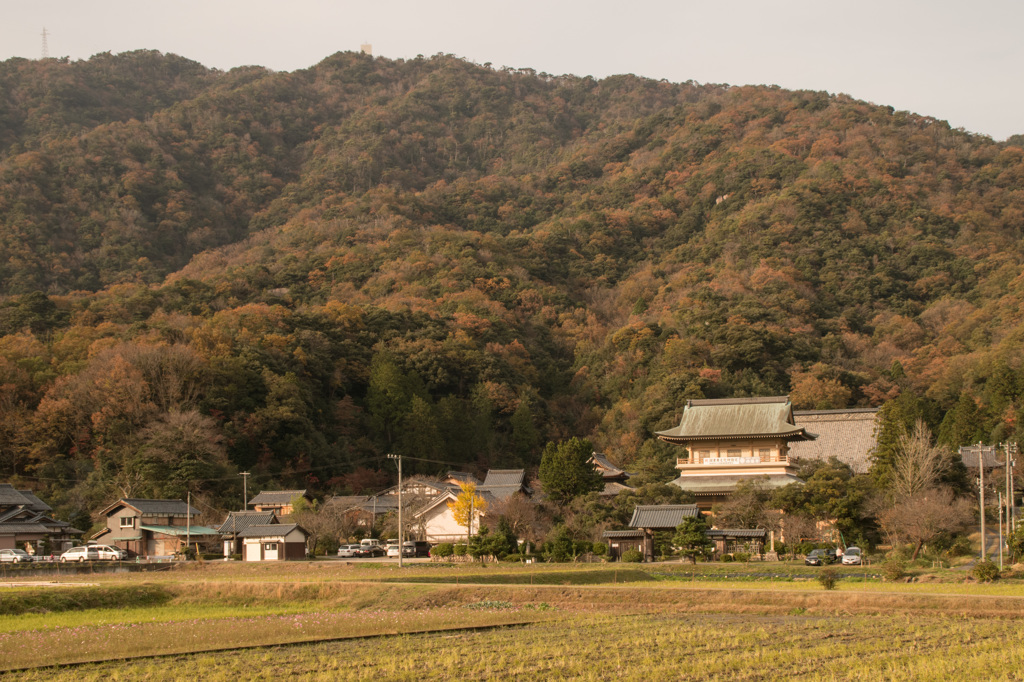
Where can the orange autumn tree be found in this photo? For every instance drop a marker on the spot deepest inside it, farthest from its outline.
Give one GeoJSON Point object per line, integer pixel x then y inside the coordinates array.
{"type": "Point", "coordinates": [467, 507]}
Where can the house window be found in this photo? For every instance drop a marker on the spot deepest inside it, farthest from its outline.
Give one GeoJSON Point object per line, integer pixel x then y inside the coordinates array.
{"type": "Point", "coordinates": [733, 453]}
{"type": "Point", "coordinates": [270, 546]}
{"type": "Point", "coordinates": [127, 522]}
{"type": "Point", "coordinates": [765, 454]}
{"type": "Point", "coordinates": [703, 454]}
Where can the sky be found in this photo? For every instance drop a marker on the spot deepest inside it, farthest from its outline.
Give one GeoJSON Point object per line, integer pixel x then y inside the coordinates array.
{"type": "Point", "coordinates": [954, 61]}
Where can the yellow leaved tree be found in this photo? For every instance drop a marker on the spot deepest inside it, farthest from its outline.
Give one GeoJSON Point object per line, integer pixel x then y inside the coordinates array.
{"type": "Point", "coordinates": [467, 507]}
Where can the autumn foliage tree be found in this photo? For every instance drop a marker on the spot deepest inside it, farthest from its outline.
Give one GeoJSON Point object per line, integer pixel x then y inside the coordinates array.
{"type": "Point", "coordinates": [468, 507]}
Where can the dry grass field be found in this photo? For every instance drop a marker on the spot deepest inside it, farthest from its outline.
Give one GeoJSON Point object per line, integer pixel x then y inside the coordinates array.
{"type": "Point", "coordinates": [237, 621]}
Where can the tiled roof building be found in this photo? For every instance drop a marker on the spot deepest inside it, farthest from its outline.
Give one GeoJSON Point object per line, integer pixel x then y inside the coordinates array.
{"type": "Point", "coordinates": [847, 435]}
{"type": "Point", "coordinates": [732, 440]}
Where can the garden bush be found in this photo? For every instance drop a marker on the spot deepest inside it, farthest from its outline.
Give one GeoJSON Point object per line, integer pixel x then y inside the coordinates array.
{"type": "Point", "coordinates": [828, 577]}
{"type": "Point", "coordinates": [894, 568]}
{"type": "Point", "coordinates": [985, 571]}
{"type": "Point", "coordinates": [632, 556]}
{"type": "Point", "coordinates": [741, 556]}
{"type": "Point", "coordinates": [727, 558]}
{"type": "Point", "coordinates": [960, 546]}
{"type": "Point", "coordinates": [600, 549]}
{"type": "Point", "coordinates": [459, 550]}
{"type": "Point", "coordinates": [443, 550]}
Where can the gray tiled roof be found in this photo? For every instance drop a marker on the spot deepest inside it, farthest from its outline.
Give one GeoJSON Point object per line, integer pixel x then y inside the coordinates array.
{"type": "Point", "coordinates": [345, 502]}
{"type": "Point", "coordinates": [381, 504]}
{"type": "Point", "coordinates": [268, 531]}
{"type": "Point", "coordinates": [992, 457]}
{"type": "Point", "coordinates": [727, 484]}
{"type": "Point", "coordinates": [613, 488]}
{"type": "Point", "coordinates": [496, 477]}
{"type": "Point", "coordinates": [35, 504]}
{"type": "Point", "coordinates": [636, 533]}
{"type": "Point", "coordinates": [277, 496]}
{"type": "Point", "coordinates": [32, 528]}
{"type": "Point", "coordinates": [463, 476]}
{"type": "Point", "coordinates": [736, 417]}
{"type": "Point", "coordinates": [662, 515]}
{"type": "Point", "coordinates": [736, 533]}
{"type": "Point", "coordinates": [847, 435]}
{"type": "Point", "coordinates": [498, 492]}
{"type": "Point", "coordinates": [239, 521]}
{"type": "Point", "coordinates": [155, 507]}
{"type": "Point", "coordinates": [11, 497]}
{"type": "Point", "coordinates": [607, 469]}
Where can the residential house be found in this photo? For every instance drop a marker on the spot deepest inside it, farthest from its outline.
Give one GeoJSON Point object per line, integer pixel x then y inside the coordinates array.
{"type": "Point", "coordinates": [502, 483]}
{"type": "Point", "coordinates": [426, 501]}
{"type": "Point", "coordinates": [733, 440]}
{"type": "Point", "coordinates": [278, 501]}
{"type": "Point", "coordinates": [24, 518]}
{"type": "Point", "coordinates": [154, 528]}
{"type": "Point", "coordinates": [236, 522]}
{"type": "Point", "coordinates": [273, 542]}
{"type": "Point", "coordinates": [436, 522]}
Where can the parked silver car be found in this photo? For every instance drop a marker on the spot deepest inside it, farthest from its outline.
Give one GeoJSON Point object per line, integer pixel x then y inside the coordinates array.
{"type": "Point", "coordinates": [852, 556]}
{"type": "Point", "coordinates": [108, 553]}
{"type": "Point", "coordinates": [14, 556]}
{"type": "Point", "coordinates": [85, 553]}
{"type": "Point", "coordinates": [350, 551]}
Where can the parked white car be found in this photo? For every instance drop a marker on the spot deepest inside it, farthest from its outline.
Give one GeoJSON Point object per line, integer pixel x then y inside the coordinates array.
{"type": "Point", "coordinates": [408, 550]}
{"type": "Point", "coordinates": [350, 551]}
{"type": "Point", "coordinates": [85, 553]}
{"type": "Point", "coordinates": [108, 553]}
{"type": "Point", "coordinates": [852, 556]}
{"type": "Point", "coordinates": [14, 556]}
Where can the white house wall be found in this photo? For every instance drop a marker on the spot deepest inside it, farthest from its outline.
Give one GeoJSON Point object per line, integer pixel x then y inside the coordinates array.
{"type": "Point", "coordinates": [440, 526]}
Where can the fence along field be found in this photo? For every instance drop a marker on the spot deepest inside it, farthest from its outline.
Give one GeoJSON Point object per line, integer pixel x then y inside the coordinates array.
{"type": "Point", "coordinates": [579, 624]}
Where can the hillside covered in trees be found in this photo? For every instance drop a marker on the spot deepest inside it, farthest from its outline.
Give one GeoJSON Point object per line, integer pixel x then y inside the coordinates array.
{"type": "Point", "coordinates": [296, 273]}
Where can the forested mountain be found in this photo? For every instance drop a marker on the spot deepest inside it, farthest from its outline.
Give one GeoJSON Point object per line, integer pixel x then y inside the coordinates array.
{"type": "Point", "coordinates": [296, 273]}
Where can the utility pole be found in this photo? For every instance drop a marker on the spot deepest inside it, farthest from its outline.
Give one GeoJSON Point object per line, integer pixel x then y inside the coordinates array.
{"type": "Point", "coordinates": [981, 493]}
{"type": "Point", "coordinates": [401, 535]}
{"type": "Point", "coordinates": [245, 490]}
{"type": "Point", "coordinates": [1012, 501]}
{"type": "Point", "coordinates": [1000, 532]}
{"type": "Point", "coordinates": [188, 521]}
{"type": "Point", "coordinates": [469, 524]}
{"type": "Point", "coordinates": [1006, 490]}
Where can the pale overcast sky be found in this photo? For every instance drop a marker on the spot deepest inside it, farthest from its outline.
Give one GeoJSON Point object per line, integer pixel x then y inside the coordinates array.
{"type": "Point", "coordinates": [957, 61]}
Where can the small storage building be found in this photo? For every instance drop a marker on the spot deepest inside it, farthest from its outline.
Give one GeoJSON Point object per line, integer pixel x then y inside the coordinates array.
{"type": "Point", "coordinates": [621, 541]}
{"type": "Point", "coordinates": [273, 542]}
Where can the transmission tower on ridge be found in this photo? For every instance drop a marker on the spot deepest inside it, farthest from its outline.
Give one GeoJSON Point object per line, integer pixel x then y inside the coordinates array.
{"type": "Point", "coordinates": [46, 48]}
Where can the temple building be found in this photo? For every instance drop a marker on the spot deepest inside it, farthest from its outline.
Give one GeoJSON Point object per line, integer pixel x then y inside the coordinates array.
{"type": "Point", "coordinates": [847, 435]}
{"type": "Point", "coordinates": [733, 440]}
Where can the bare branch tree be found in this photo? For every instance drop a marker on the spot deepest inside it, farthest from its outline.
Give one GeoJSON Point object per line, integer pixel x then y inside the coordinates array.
{"type": "Point", "coordinates": [924, 516]}
{"type": "Point", "coordinates": [918, 464]}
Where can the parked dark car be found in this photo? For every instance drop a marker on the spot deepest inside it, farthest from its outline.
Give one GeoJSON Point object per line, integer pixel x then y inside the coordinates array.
{"type": "Point", "coordinates": [820, 557]}
{"type": "Point", "coordinates": [422, 548]}
{"type": "Point", "coordinates": [372, 551]}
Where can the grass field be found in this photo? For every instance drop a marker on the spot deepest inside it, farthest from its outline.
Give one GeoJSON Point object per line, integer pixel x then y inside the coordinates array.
{"type": "Point", "coordinates": [563, 622]}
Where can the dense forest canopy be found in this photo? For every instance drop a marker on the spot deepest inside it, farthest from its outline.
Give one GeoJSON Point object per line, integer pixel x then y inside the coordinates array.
{"type": "Point", "coordinates": [297, 273]}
